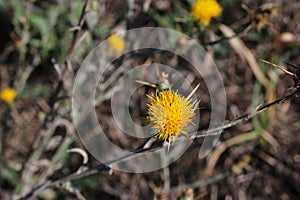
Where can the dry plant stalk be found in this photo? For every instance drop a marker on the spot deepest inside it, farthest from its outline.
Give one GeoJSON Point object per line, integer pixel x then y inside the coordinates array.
{"type": "Point", "coordinates": [152, 144]}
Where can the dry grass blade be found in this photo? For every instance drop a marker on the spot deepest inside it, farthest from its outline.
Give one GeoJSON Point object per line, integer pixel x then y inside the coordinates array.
{"type": "Point", "coordinates": [245, 54]}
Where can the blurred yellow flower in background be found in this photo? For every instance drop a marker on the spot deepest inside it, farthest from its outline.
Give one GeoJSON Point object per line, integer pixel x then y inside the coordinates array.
{"type": "Point", "coordinates": [205, 10]}
{"type": "Point", "coordinates": [8, 95]}
{"type": "Point", "coordinates": [170, 114]}
{"type": "Point", "coordinates": [116, 43]}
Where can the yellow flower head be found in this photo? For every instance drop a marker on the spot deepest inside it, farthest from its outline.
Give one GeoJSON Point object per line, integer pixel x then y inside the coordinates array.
{"type": "Point", "coordinates": [204, 10]}
{"type": "Point", "coordinates": [116, 43]}
{"type": "Point", "coordinates": [170, 114]}
{"type": "Point", "coordinates": [8, 95]}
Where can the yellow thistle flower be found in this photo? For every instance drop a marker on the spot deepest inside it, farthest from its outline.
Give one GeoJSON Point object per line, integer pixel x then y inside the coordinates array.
{"type": "Point", "coordinates": [170, 114]}
{"type": "Point", "coordinates": [204, 10]}
{"type": "Point", "coordinates": [8, 95]}
{"type": "Point", "coordinates": [116, 43]}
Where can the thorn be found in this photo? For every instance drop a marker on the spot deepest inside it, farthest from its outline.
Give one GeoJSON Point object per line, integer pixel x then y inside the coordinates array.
{"type": "Point", "coordinates": [194, 90]}
{"type": "Point", "coordinates": [169, 144]}
{"type": "Point", "coordinates": [195, 105]}
{"type": "Point", "coordinates": [149, 96]}
{"type": "Point", "coordinates": [146, 83]}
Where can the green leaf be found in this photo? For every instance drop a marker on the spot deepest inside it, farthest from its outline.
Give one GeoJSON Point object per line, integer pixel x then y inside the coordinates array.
{"type": "Point", "coordinates": [7, 173]}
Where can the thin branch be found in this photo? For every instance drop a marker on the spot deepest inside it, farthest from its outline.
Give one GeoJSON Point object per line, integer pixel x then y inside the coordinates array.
{"type": "Point", "coordinates": [245, 117]}
{"type": "Point", "coordinates": [201, 183]}
{"type": "Point", "coordinates": [77, 30]}
{"type": "Point", "coordinates": [222, 39]}
{"type": "Point", "coordinates": [36, 144]}
{"type": "Point", "coordinates": [152, 144]}
{"type": "Point", "coordinates": [102, 167]}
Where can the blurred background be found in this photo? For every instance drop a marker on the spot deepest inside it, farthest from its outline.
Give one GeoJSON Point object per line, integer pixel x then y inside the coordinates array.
{"type": "Point", "coordinates": [44, 42]}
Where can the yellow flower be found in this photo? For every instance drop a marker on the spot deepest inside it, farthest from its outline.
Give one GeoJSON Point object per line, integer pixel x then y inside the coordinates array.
{"type": "Point", "coordinates": [170, 114]}
{"type": "Point", "coordinates": [204, 10]}
{"type": "Point", "coordinates": [116, 43]}
{"type": "Point", "coordinates": [8, 95]}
